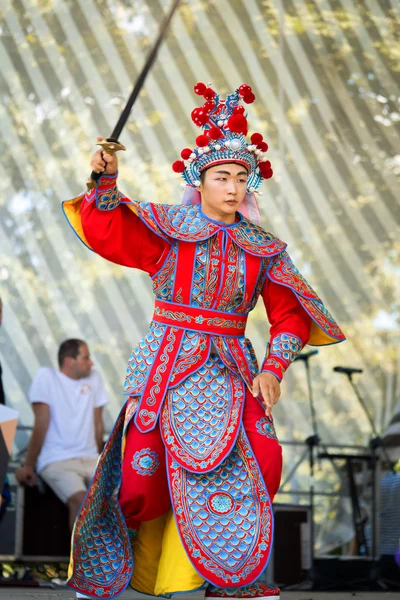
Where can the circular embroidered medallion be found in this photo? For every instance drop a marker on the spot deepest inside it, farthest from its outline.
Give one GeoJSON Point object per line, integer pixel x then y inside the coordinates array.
{"type": "Point", "coordinates": [145, 462]}
{"type": "Point", "coordinates": [220, 503]}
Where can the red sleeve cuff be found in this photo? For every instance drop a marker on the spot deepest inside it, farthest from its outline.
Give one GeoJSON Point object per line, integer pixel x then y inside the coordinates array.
{"type": "Point", "coordinates": [272, 365]}
{"type": "Point", "coordinates": [283, 349]}
{"type": "Point", "coordinates": [107, 195]}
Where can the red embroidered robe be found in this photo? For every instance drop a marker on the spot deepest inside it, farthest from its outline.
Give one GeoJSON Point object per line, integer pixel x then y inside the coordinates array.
{"type": "Point", "coordinates": [207, 277]}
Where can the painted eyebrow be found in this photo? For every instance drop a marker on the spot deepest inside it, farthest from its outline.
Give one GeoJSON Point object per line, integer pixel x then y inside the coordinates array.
{"type": "Point", "coordinates": [229, 173]}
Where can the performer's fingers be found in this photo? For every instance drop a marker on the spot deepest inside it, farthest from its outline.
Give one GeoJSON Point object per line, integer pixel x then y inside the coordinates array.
{"type": "Point", "coordinates": [99, 168]}
{"type": "Point", "coordinates": [277, 392]}
{"type": "Point", "coordinates": [256, 387]}
{"type": "Point", "coordinates": [97, 163]}
{"type": "Point", "coordinates": [267, 397]}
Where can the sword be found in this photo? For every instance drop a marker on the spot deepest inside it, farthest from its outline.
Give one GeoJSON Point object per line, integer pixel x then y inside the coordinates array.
{"type": "Point", "coordinates": [111, 145]}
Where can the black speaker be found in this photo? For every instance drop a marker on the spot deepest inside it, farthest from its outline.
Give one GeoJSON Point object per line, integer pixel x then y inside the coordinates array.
{"type": "Point", "coordinates": [291, 554]}
{"type": "Point", "coordinates": [45, 524]}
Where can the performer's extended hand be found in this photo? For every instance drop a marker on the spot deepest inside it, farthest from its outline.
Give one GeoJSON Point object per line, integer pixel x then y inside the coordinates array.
{"type": "Point", "coordinates": [268, 387]}
{"type": "Point", "coordinates": [104, 163]}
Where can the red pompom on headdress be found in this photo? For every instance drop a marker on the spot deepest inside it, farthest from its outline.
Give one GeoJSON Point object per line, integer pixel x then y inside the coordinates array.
{"type": "Point", "coordinates": [244, 89]}
{"type": "Point", "coordinates": [199, 116]}
{"type": "Point", "coordinates": [249, 98]}
{"type": "Point", "coordinates": [209, 105]}
{"type": "Point", "coordinates": [256, 138]}
{"type": "Point", "coordinates": [209, 94]}
{"type": "Point", "coordinates": [265, 170]}
{"type": "Point", "coordinates": [200, 88]}
{"type": "Point", "coordinates": [238, 124]}
{"type": "Point", "coordinates": [263, 146]}
{"type": "Point", "coordinates": [202, 141]}
{"type": "Point", "coordinates": [178, 166]}
{"type": "Point", "coordinates": [185, 154]}
{"type": "Point", "coordinates": [215, 133]}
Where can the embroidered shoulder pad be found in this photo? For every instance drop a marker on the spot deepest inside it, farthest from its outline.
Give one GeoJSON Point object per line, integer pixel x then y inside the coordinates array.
{"type": "Point", "coordinates": [186, 223]}
{"type": "Point", "coordinates": [325, 330]}
{"type": "Point", "coordinates": [255, 240]}
{"type": "Point", "coordinates": [178, 222]}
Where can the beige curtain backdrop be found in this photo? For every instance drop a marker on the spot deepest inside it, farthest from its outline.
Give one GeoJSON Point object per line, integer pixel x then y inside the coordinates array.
{"type": "Point", "coordinates": [325, 74]}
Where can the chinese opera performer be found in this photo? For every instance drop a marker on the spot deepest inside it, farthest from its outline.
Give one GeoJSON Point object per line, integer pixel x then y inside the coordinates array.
{"type": "Point", "coordinates": [182, 495]}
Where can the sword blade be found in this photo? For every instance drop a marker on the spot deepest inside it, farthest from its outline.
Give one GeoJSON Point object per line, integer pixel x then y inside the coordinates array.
{"type": "Point", "coordinates": [143, 74]}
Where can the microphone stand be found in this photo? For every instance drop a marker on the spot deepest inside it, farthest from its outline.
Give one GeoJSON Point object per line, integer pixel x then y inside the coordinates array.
{"type": "Point", "coordinates": [311, 442]}
{"type": "Point", "coordinates": [374, 444]}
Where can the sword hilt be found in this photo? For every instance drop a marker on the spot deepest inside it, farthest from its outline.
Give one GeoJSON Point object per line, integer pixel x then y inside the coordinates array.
{"type": "Point", "coordinates": [109, 146]}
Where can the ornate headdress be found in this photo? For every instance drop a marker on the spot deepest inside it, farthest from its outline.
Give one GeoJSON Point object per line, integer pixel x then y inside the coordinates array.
{"type": "Point", "coordinates": [224, 124]}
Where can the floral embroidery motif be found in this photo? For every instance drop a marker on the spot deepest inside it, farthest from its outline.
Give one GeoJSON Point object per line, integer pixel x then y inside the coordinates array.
{"type": "Point", "coordinates": [266, 427]}
{"type": "Point", "coordinates": [145, 462]}
{"type": "Point", "coordinates": [221, 503]}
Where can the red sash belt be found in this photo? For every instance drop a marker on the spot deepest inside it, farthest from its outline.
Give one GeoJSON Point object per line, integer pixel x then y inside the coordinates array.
{"type": "Point", "coordinates": [205, 320]}
{"type": "Point", "coordinates": [179, 317]}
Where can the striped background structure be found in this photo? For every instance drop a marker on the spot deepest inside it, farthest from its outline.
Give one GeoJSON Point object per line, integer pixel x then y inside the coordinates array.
{"type": "Point", "coordinates": [325, 76]}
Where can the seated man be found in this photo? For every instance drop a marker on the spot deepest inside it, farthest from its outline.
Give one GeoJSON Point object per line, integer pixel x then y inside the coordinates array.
{"type": "Point", "coordinates": [68, 430]}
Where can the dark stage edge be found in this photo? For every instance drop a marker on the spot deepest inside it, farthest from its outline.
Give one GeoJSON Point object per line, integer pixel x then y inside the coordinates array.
{"type": "Point", "coordinates": [45, 594]}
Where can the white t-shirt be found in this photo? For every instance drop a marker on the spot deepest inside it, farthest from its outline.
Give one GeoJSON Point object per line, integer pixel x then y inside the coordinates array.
{"type": "Point", "coordinates": [71, 432]}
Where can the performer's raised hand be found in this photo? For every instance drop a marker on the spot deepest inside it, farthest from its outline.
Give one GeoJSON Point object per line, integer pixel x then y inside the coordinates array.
{"type": "Point", "coordinates": [104, 163]}
{"type": "Point", "coordinates": [268, 387]}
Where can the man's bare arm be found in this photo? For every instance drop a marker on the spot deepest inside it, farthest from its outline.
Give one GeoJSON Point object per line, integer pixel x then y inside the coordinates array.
{"type": "Point", "coordinates": [26, 474]}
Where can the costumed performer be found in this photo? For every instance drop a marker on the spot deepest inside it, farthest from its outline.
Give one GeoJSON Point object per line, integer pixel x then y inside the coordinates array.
{"type": "Point", "coordinates": [182, 495]}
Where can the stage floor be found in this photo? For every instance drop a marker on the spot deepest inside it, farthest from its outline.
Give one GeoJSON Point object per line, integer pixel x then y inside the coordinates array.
{"type": "Point", "coordinates": [61, 594]}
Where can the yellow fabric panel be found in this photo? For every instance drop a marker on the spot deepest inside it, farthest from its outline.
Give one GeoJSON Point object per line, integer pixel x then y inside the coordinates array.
{"type": "Point", "coordinates": [123, 447]}
{"type": "Point", "coordinates": [71, 555]}
{"type": "Point", "coordinates": [175, 572]}
{"type": "Point", "coordinates": [146, 555]}
{"type": "Point", "coordinates": [72, 211]}
{"type": "Point", "coordinates": [318, 337]}
{"type": "Point", "coordinates": [71, 564]}
{"type": "Point", "coordinates": [161, 565]}
{"type": "Point", "coordinates": [131, 207]}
